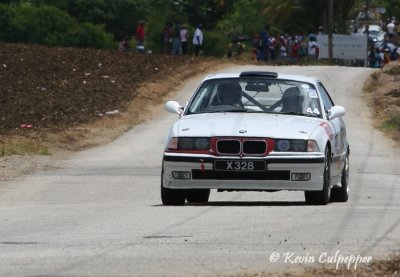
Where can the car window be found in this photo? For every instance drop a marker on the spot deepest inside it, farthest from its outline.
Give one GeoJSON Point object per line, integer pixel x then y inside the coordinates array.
{"type": "Point", "coordinates": [326, 99]}
{"type": "Point", "coordinates": [263, 95]}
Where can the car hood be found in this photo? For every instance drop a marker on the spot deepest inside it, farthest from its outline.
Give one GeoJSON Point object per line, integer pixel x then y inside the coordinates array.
{"type": "Point", "coordinates": [247, 125]}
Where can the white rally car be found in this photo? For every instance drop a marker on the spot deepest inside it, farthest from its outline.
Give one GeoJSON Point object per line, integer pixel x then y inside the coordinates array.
{"type": "Point", "coordinates": [256, 131]}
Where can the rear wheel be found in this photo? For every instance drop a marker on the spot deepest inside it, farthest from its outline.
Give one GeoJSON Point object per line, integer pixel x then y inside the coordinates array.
{"type": "Point", "coordinates": [172, 197]}
{"type": "Point", "coordinates": [322, 197]}
{"type": "Point", "coordinates": [342, 194]}
{"type": "Point", "coordinates": [198, 195]}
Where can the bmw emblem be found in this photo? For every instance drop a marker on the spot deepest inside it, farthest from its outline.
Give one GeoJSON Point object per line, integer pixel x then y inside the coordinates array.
{"type": "Point", "coordinates": [243, 131]}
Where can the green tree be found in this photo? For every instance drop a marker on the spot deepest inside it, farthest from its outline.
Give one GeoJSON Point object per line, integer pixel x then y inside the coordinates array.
{"type": "Point", "coordinates": [243, 19]}
{"type": "Point", "coordinates": [306, 15]}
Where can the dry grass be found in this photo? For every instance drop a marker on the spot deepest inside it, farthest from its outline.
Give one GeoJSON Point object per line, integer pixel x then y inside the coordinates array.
{"type": "Point", "coordinates": [383, 95]}
{"type": "Point", "coordinates": [378, 268]}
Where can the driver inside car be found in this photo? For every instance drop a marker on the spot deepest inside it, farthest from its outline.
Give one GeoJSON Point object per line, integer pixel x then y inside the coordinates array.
{"type": "Point", "coordinates": [229, 94]}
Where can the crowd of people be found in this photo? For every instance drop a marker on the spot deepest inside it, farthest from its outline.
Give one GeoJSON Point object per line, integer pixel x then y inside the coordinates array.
{"type": "Point", "coordinates": [388, 50]}
{"type": "Point", "coordinates": [296, 47]}
{"type": "Point", "coordinates": [176, 38]}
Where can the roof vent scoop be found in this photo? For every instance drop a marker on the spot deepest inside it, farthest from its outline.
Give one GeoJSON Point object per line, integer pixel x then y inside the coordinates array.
{"type": "Point", "coordinates": [259, 74]}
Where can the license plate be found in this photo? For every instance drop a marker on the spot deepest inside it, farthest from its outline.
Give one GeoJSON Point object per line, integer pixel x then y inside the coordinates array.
{"type": "Point", "coordinates": [235, 165]}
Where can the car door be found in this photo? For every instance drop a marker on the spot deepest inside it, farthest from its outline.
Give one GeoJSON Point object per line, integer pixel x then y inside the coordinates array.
{"type": "Point", "coordinates": [338, 133]}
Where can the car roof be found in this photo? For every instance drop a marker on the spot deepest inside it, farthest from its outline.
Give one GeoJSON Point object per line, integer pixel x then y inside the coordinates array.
{"type": "Point", "coordinates": [263, 74]}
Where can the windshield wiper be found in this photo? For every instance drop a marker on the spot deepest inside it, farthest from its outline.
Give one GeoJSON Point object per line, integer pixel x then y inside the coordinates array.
{"type": "Point", "coordinates": [240, 111]}
{"type": "Point", "coordinates": [301, 114]}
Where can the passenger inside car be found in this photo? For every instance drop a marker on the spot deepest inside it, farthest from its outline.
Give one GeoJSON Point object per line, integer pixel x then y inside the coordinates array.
{"type": "Point", "coordinates": [292, 101]}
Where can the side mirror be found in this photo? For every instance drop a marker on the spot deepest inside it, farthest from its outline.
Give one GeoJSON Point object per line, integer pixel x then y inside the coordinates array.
{"type": "Point", "coordinates": [336, 111]}
{"type": "Point", "coordinates": [173, 107]}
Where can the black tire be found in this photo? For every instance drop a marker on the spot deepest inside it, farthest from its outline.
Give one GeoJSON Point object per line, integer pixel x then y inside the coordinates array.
{"type": "Point", "coordinates": [342, 194]}
{"type": "Point", "coordinates": [172, 197]}
{"type": "Point", "coordinates": [322, 197]}
{"type": "Point", "coordinates": [198, 196]}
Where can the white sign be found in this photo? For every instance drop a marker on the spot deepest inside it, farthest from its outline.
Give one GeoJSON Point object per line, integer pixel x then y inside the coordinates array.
{"type": "Point", "coordinates": [344, 47]}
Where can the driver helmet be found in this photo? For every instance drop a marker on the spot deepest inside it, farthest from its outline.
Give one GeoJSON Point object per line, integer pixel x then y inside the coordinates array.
{"type": "Point", "coordinates": [229, 93]}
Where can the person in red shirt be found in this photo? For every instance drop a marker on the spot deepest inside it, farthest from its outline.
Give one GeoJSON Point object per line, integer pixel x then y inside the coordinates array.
{"type": "Point", "coordinates": [295, 55]}
{"type": "Point", "coordinates": [140, 36]}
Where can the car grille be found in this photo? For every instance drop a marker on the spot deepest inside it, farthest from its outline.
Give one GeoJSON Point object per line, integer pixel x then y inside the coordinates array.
{"type": "Point", "coordinates": [229, 147]}
{"type": "Point", "coordinates": [245, 147]}
{"type": "Point", "coordinates": [238, 175]}
{"type": "Point", "coordinates": [254, 147]}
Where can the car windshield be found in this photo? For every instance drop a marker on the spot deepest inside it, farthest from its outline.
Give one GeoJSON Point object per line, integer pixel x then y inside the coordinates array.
{"type": "Point", "coordinates": [256, 95]}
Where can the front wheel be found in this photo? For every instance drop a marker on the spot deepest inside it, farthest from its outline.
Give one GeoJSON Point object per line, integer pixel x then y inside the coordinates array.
{"type": "Point", "coordinates": [172, 197]}
{"type": "Point", "coordinates": [342, 194]}
{"type": "Point", "coordinates": [198, 196]}
{"type": "Point", "coordinates": [322, 197]}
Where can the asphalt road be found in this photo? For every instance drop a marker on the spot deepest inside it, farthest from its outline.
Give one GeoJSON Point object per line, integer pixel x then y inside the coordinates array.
{"type": "Point", "coordinates": [101, 213]}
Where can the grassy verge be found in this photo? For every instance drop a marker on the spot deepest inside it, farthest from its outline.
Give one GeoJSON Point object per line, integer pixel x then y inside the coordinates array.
{"type": "Point", "coordinates": [23, 147]}
{"type": "Point", "coordinates": [383, 94]}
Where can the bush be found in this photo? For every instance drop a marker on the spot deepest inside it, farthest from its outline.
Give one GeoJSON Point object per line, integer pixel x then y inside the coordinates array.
{"type": "Point", "coordinates": [49, 26]}
{"type": "Point", "coordinates": [26, 24]}
{"type": "Point", "coordinates": [214, 44]}
{"type": "Point", "coordinates": [93, 36]}
{"type": "Point", "coordinates": [6, 15]}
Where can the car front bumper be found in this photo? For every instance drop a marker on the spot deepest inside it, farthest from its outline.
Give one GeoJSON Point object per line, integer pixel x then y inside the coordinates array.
{"type": "Point", "coordinates": [190, 171]}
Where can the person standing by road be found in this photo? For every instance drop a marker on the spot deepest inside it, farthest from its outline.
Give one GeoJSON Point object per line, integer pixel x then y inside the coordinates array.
{"type": "Point", "coordinates": [265, 42]}
{"type": "Point", "coordinates": [167, 37]}
{"type": "Point", "coordinates": [176, 40]}
{"type": "Point", "coordinates": [140, 36]}
{"type": "Point", "coordinates": [184, 39]}
{"type": "Point", "coordinates": [313, 49]}
{"type": "Point", "coordinates": [197, 40]}
{"type": "Point", "coordinates": [391, 29]}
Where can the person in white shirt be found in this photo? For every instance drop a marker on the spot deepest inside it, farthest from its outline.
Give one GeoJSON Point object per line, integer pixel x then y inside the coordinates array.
{"type": "Point", "coordinates": [313, 48]}
{"type": "Point", "coordinates": [197, 40]}
{"type": "Point", "coordinates": [184, 39]}
{"type": "Point", "coordinates": [391, 28]}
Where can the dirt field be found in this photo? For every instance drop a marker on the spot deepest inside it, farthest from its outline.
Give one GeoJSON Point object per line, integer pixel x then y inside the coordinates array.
{"type": "Point", "coordinates": [62, 98]}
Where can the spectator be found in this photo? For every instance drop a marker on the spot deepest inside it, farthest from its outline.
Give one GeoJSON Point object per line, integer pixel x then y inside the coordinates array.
{"type": "Point", "coordinates": [391, 29]}
{"type": "Point", "coordinates": [176, 40]}
{"type": "Point", "coordinates": [295, 49]}
{"type": "Point", "coordinates": [255, 45]}
{"type": "Point", "coordinates": [379, 56]}
{"type": "Point", "coordinates": [290, 42]}
{"type": "Point", "coordinates": [272, 45]}
{"type": "Point", "coordinates": [123, 45]}
{"type": "Point", "coordinates": [303, 49]}
{"type": "Point", "coordinates": [140, 36]}
{"type": "Point", "coordinates": [265, 42]}
{"type": "Point", "coordinates": [167, 40]}
{"type": "Point", "coordinates": [184, 39]}
{"type": "Point", "coordinates": [283, 52]}
{"type": "Point", "coordinates": [312, 48]}
{"type": "Point", "coordinates": [197, 40]}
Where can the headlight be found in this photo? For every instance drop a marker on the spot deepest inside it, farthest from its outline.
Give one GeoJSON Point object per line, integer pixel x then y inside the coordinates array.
{"type": "Point", "coordinates": [291, 145]}
{"type": "Point", "coordinates": [282, 145]}
{"type": "Point", "coordinates": [193, 143]}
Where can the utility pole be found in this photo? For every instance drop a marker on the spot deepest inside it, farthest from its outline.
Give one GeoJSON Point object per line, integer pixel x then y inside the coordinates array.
{"type": "Point", "coordinates": [366, 30]}
{"type": "Point", "coordinates": [330, 31]}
